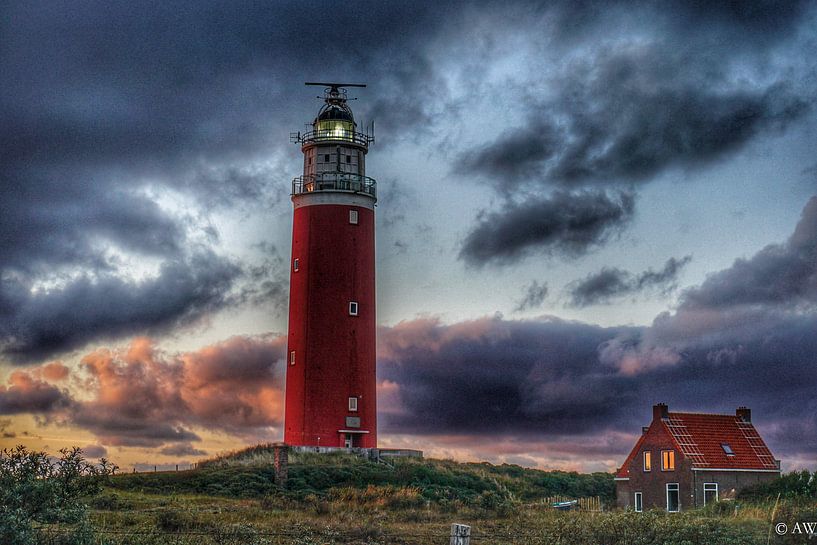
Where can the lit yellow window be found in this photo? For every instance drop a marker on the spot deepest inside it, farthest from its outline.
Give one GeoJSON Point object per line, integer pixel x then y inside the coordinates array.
{"type": "Point", "coordinates": [668, 460]}
{"type": "Point", "coordinates": [647, 460]}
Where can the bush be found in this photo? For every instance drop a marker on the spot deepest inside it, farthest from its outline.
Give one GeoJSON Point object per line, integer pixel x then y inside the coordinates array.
{"type": "Point", "coordinates": [109, 502]}
{"type": "Point", "coordinates": [38, 490]}
{"type": "Point", "coordinates": [173, 521]}
{"type": "Point", "coordinates": [795, 485]}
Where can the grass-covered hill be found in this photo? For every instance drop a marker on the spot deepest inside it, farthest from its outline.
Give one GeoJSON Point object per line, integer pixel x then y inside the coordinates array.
{"type": "Point", "coordinates": [249, 474]}
{"type": "Point", "coordinates": [341, 499]}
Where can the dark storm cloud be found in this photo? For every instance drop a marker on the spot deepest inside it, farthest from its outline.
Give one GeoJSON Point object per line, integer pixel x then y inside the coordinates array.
{"type": "Point", "coordinates": [743, 337]}
{"type": "Point", "coordinates": [106, 106]}
{"type": "Point", "coordinates": [549, 378]}
{"type": "Point", "coordinates": [535, 295]}
{"type": "Point", "coordinates": [503, 376]}
{"type": "Point", "coordinates": [659, 87]}
{"type": "Point", "coordinates": [565, 223]}
{"type": "Point", "coordinates": [780, 275]}
{"type": "Point", "coordinates": [611, 283]}
{"type": "Point", "coordinates": [625, 117]}
{"type": "Point", "coordinates": [515, 155]}
{"type": "Point", "coordinates": [37, 325]}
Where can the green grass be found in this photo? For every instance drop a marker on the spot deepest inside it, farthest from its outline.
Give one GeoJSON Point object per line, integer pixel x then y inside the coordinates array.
{"type": "Point", "coordinates": [334, 499]}
{"type": "Point", "coordinates": [316, 475]}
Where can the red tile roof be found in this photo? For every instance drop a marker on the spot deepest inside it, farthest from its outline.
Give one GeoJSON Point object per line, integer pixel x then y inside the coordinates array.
{"type": "Point", "coordinates": [701, 437]}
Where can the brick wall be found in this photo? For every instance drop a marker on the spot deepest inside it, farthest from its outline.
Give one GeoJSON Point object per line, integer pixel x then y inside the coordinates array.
{"type": "Point", "coordinates": [652, 484]}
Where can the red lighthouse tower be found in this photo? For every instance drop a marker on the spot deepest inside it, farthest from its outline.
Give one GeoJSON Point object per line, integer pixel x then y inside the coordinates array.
{"type": "Point", "coordinates": [331, 397]}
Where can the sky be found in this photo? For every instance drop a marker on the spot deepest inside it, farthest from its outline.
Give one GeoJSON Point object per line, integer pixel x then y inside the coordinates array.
{"type": "Point", "coordinates": [585, 208]}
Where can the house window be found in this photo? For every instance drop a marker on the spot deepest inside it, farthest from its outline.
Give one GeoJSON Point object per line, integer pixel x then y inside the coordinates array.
{"type": "Point", "coordinates": [292, 358]}
{"type": "Point", "coordinates": [673, 498]}
{"type": "Point", "coordinates": [647, 460]}
{"type": "Point", "coordinates": [353, 308]}
{"type": "Point", "coordinates": [667, 460]}
{"type": "Point", "coordinates": [353, 217]}
{"type": "Point", "coordinates": [352, 404]}
{"type": "Point", "coordinates": [710, 493]}
{"type": "Point", "coordinates": [638, 502]}
{"type": "Point", "coordinates": [295, 264]}
{"type": "Point", "coordinates": [727, 449]}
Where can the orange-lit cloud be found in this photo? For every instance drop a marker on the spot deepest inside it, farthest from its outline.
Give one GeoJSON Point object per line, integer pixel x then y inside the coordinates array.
{"type": "Point", "coordinates": [27, 393]}
{"type": "Point", "coordinates": [142, 396]}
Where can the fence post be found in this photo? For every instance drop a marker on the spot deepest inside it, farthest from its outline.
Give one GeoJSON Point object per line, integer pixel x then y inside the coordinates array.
{"type": "Point", "coordinates": [460, 535]}
{"type": "Point", "coordinates": [280, 454]}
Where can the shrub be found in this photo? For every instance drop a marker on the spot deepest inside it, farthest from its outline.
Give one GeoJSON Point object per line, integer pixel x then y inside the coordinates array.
{"type": "Point", "coordinates": [38, 490]}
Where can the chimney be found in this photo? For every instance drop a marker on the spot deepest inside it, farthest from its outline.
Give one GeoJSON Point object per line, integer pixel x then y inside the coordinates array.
{"type": "Point", "coordinates": [744, 414]}
{"type": "Point", "coordinates": [660, 411]}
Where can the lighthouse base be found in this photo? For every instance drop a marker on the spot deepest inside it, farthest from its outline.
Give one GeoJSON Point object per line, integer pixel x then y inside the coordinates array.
{"type": "Point", "coordinates": [373, 454]}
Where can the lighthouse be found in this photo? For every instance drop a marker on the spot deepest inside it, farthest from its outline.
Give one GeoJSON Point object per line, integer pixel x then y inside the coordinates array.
{"type": "Point", "coordinates": [331, 395]}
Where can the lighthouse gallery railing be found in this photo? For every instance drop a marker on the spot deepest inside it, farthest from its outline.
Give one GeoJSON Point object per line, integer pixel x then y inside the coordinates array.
{"type": "Point", "coordinates": [334, 181]}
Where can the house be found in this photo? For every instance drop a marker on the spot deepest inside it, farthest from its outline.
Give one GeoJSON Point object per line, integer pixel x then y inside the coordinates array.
{"type": "Point", "coordinates": [686, 460]}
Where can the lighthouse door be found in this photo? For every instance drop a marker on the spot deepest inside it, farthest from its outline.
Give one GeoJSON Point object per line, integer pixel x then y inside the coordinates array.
{"type": "Point", "coordinates": [349, 442]}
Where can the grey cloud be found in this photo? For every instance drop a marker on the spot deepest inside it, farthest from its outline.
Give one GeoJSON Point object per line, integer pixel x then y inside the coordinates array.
{"type": "Point", "coordinates": [64, 318]}
{"type": "Point", "coordinates": [94, 451]}
{"type": "Point", "coordinates": [565, 223]}
{"type": "Point", "coordinates": [645, 99]}
{"type": "Point", "coordinates": [182, 449]}
{"type": "Point", "coordinates": [229, 185]}
{"type": "Point", "coordinates": [493, 376]}
{"type": "Point", "coordinates": [516, 154]}
{"type": "Point", "coordinates": [535, 294]}
{"type": "Point", "coordinates": [611, 283]}
{"type": "Point", "coordinates": [778, 276]}
{"type": "Point", "coordinates": [624, 116]}
{"type": "Point", "coordinates": [96, 117]}
{"type": "Point", "coordinates": [550, 378]}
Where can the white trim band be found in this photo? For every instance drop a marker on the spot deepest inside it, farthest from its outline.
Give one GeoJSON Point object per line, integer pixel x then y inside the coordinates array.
{"type": "Point", "coordinates": [345, 198]}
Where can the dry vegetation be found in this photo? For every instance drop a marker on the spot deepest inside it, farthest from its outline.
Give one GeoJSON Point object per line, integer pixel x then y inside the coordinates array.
{"type": "Point", "coordinates": [344, 499]}
{"type": "Point", "coordinates": [347, 500]}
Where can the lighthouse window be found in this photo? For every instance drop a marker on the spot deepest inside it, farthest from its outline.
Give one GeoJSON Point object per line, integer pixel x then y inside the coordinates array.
{"type": "Point", "coordinates": [326, 158]}
{"type": "Point", "coordinates": [353, 308]}
{"type": "Point", "coordinates": [295, 264]}
{"type": "Point", "coordinates": [348, 158]}
{"type": "Point", "coordinates": [292, 358]}
{"type": "Point", "coordinates": [353, 217]}
{"type": "Point", "coordinates": [352, 404]}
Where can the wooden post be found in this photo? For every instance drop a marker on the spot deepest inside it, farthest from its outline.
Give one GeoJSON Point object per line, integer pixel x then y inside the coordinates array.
{"type": "Point", "coordinates": [460, 535]}
{"type": "Point", "coordinates": [280, 456]}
